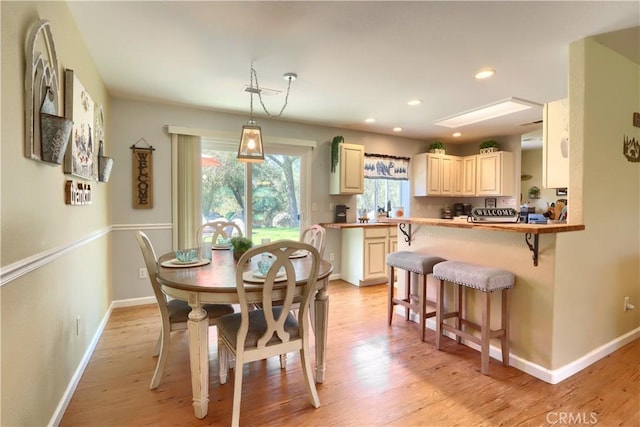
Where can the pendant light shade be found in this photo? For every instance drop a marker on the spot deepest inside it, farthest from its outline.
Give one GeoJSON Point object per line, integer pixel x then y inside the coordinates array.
{"type": "Point", "coordinates": [250, 149]}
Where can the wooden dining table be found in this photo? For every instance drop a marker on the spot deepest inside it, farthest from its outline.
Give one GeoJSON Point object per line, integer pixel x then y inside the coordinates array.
{"type": "Point", "coordinates": [215, 283]}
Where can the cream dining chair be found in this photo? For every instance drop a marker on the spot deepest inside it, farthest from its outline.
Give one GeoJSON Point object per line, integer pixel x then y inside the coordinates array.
{"type": "Point", "coordinates": [315, 236]}
{"type": "Point", "coordinates": [218, 228]}
{"type": "Point", "coordinates": [174, 313]}
{"type": "Point", "coordinates": [256, 334]}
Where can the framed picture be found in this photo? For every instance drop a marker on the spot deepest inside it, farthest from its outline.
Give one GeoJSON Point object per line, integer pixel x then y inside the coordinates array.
{"type": "Point", "coordinates": [490, 202]}
{"type": "Point", "coordinates": [78, 106]}
{"type": "Point", "coordinates": [561, 191]}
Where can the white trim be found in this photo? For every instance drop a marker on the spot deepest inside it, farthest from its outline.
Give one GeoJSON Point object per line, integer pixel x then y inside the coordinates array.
{"type": "Point", "coordinates": [132, 302]}
{"type": "Point", "coordinates": [235, 136]}
{"type": "Point", "coordinates": [551, 376]}
{"type": "Point", "coordinates": [75, 379]}
{"type": "Point", "coordinates": [18, 269]}
{"type": "Point", "coordinates": [134, 227]}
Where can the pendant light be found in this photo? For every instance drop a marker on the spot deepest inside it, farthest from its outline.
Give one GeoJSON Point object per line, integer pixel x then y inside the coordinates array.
{"type": "Point", "coordinates": [251, 148]}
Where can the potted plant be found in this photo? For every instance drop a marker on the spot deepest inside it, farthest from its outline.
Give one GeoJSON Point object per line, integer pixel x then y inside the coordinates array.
{"type": "Point", "coordinates": [335, 149]}
{"type": "Point", "coordinates": [240, 245]}
{"type": "Point", "coordinates": [534, 192]}
{"type": "Point", "coordinates": [489, 146]}
{"type": "Point", "coordinates": [436, 147]}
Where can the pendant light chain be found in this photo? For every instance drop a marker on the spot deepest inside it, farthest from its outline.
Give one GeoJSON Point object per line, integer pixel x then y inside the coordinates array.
{"type": "Point", "coordinates": [286, 98]}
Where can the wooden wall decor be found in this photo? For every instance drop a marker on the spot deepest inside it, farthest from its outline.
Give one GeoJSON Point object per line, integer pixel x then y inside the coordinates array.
{"type": "Point", "coordinates": [42, 84]}
{"type": "Point", "coordinates": [631, 149]}
{"type": "Point", "coordinates": [77, 193]}
{"type": "Point", "coordinates": [142, 175]}
{"type": "Point", "coordinates": [79, 107]}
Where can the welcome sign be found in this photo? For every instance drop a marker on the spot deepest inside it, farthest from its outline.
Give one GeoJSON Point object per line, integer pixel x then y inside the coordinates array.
{"type": "Point", "coordinates": [494, 215]}
{"type": "Point", "coordinates": [142, 174]}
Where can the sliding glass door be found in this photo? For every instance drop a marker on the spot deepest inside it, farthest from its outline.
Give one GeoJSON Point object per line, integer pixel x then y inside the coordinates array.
{"type": "Point", "coordinates": [270, 207]}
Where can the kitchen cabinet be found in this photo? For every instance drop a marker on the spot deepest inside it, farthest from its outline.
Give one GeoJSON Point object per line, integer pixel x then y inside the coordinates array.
{"type": "Point", "coordinates": [494, 174]}
{"type": "Point", "coordinates": [555, 144]}
{"type": "Point", "coordinates": [434, 174]}
{"type": "Point", "coordinates": [469, 175]}
{"type": "Point", "coordinates": [364, 254]}
{"type": "Point", "coordinates": [348, 177]}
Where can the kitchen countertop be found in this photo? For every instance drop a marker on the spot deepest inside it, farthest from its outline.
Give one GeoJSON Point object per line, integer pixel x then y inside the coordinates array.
{"type": "Point", "coordinates": [513, 227]}
{"type": "Point", "coordinates": [340, 225]}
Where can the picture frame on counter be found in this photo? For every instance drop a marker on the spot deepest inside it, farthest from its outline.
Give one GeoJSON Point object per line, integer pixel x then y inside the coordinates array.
{"type": "Point", "coordinates": [490, 202]}
{"type": "Point", "coordinates": [561, 191]}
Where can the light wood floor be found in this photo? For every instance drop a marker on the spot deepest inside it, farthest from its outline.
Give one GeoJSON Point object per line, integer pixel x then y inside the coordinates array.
{"type": "Point", "coordinates": [376, 375]}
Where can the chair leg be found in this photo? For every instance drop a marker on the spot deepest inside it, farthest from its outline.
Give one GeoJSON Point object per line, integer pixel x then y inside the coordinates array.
{"type": "Point", "coordinates": [162, 359]}
{"type": "Point", "coordinates": [156, 350]}
{"type": "Point", "coordinates": [407, 293]}
{"type": "Point", "coordinates": [505, 327]}
{"type": "Point", "coordinates": [389, 295]}
{"type": "Point", "coordinates": [283, 360]}
{"type": "Point", "coordinates": [439, 312]}
{"type": "Point", "coordinates": [237, 391]}
{"type": "Point", "coordinates": [485, 332]}
{"type": "Point", "coordinates": [422, 290]}
{"type": "Point", "coordinates": [457, 296]}
{"type": "Point", "coordinates": [309, 379]}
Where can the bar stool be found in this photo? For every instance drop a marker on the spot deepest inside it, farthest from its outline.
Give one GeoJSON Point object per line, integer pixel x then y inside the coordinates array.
{"type": "Point", "coordinates": [422, 265]}
{"type": "Point", "coordinates": [486, 280]}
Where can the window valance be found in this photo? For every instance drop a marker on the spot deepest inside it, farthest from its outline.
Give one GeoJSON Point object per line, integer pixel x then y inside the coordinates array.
{"type": "Point", "coordinates": [380, 166]}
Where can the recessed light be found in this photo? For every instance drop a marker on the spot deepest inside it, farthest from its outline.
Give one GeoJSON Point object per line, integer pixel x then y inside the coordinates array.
{"type": "Point", "coordinates": [397, 129]}
{"type": "Point", "coordinates": [414, 102]}
{"type": "Point", "coordinates": [457, 135]}
{"type": "Point", "coordinates": [370, 119]}
{"type": "Point", "coordinates": [485, 73]}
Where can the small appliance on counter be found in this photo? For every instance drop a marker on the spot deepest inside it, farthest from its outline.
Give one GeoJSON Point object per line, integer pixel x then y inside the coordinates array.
{"type": "Point", "coordinates": [341, 213]}
{"type": "Point", "coordinates": [534, 218]}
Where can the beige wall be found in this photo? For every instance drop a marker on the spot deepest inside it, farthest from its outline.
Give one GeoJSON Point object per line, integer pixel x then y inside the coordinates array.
{"type": "Point", "coordinates": [40, 350]}
{"type": "Point", "coordinates": [532, 165]}
{"type": "Point", "coordinates": [596, 268]}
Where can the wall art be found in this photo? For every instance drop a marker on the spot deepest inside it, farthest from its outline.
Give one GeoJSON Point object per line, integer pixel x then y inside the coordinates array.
{"type": "Point", "coordinates": [631, 149]}
{"type": "Point", "coordinates": [79, 107]}
{"type": "Point", "coordinates": [142, 175]}
{"type": "Point", "coordinates": [46, 133]}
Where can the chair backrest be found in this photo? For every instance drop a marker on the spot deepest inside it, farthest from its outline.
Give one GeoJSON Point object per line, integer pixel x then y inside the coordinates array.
{"type": "Point", "coordinates": [218, 228]}
{"type": "Point", "coordinates": [277, 290]}
{"type": "Point", "coordinates": [315, 236]}
{"type": "Point", "coordinates": [151, 262]}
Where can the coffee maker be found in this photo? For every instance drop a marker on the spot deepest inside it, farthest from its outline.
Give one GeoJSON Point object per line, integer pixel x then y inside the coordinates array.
{"type": "Point", "coordinates": [341, 213]}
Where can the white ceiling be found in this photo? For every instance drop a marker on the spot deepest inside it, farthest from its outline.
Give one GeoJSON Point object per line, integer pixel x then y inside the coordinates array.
{"type": "Point", "coordinates": [353, 59]}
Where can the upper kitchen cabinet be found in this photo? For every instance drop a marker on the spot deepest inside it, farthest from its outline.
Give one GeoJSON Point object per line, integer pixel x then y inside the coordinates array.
{"type": "Point", "coordinates": [494, 174]}
{"type": "Point", "coordinates": [348, 177]}
{"type": "Point", "coordinates": [555, 144]}
{"type": "Point", "coordinates": [435, 175]}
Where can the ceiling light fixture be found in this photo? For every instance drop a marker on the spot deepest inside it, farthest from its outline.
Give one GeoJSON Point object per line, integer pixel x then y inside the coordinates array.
{"type": "Point", "coordinates": [457, 134]}
{"type": "Point", "coordinates": [251, 149]}
{"type": "Point", "coordinates": [487, 112]}
{"type": "Point", "coordinates": [414, 102]}
{"type": "Point", "coordinates": [370, 120]}
{"type": "Point", "coordinates": [485, 74]}
{"type": "Point", "coordinates": [397, 129]}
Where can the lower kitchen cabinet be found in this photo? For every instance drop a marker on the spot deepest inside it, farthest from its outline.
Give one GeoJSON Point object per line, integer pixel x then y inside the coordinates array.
{"type": "Point", "coordinates": [364, 253]}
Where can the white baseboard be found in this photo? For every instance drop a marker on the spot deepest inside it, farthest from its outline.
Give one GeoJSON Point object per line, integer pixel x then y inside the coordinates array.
{"type": "Point", "coordinates": [551, 376]}
{"type": "Point", "coordinates": [133, 302]}
{"type": "Point", "coordinates": [75, 379]}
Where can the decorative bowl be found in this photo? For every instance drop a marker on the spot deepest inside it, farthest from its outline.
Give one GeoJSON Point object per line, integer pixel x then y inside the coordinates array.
{"type": "Point", "coordinates": [186, 255]}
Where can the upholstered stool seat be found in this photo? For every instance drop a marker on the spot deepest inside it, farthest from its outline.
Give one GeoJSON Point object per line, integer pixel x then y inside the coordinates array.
{"type": "Point", "coordinates": [422, 265]}
{"type": "Point", "coordinates": [486, 280]}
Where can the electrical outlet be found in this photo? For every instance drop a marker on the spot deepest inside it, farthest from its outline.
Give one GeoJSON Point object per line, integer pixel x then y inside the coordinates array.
{"type": "Point", "coordinates": [627, 305]}
{"type": "Point", "coordinates": [78, 326]}
{"type": "Point", "coordinates": [332, 256]}
{"type": "Point", "coordinates": [142, 273]}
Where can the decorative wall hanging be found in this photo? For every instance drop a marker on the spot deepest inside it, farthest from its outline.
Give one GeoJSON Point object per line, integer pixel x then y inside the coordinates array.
{"type": "Point", "coordinates": [142, 173]}
{"type": "Point", "coordinates": [77, 193]}
{"type": "Point", "coordinates": [636, 120]}
{"type": "Point", "coordinates": [631, 149]}
{"type": "Point", "coordinates": [380, 166]}
{"type": "Point", "coordinates": [42, 98]}
{"type": "Point", "coordinates": [105, 164]}
{"type": "Point", "coordinates": [79, 107]}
